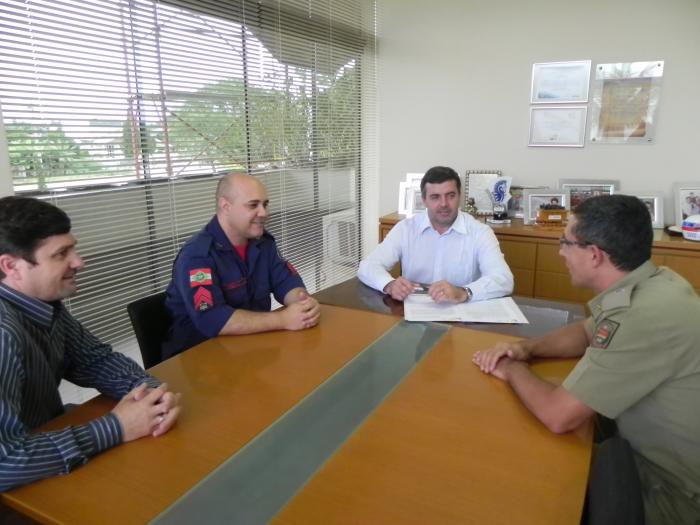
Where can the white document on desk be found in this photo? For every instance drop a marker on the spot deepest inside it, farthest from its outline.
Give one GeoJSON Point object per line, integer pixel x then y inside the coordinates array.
{"type": "Point", "coordinates": [420, 307]}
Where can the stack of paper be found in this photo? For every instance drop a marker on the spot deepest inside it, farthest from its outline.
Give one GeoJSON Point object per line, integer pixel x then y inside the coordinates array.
{"type": "Point", "coordinates": [419, 307]}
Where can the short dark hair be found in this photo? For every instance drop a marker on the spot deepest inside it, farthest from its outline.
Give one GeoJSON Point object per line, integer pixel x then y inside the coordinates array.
{"type": "Point", "coordinates": [25, 222]}
{"type": "Point", "coordinates": [438, 175]}
{"type": "Point", "coordinates": [619, 225]}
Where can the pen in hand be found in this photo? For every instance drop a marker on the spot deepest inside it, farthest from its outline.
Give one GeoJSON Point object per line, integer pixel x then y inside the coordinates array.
{"type": "Point", "coordinates": [421, 288]}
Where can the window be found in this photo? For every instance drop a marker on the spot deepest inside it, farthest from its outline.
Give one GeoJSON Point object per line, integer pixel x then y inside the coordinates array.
{"type": "Point", "coordinates": [125, 112]}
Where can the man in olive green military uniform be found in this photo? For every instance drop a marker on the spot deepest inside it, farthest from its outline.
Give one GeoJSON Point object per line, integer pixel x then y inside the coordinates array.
{"type": "Point", "coordinates": [641, 355]}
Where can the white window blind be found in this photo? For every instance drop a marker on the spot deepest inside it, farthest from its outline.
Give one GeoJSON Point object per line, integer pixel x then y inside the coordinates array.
{"type": "Point", "coordinates": [125, 112]}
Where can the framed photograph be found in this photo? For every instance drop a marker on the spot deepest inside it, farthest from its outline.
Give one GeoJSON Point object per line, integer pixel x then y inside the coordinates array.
{"type": "Point", "coordinates": [581, 189]}
{"type": "Point", "coordinates": [533, 199]}
{"type": "Point", "coordinates": [405, 198]}
{"type": "Point", "coordinates": [560, 82]}
{"type": "Point", "coordinates": [410, 200]}
{"type": "Point", "coordinates": [477, 186]}
{"type": "Point", "coordinates": [517, 202]}
{"type": "Point", "coordinates": [686, 197]}
{"type": "Point", "coordinates": [414, 178]}
{"type": "Point", "coordinates": [563, 126]}
{"type": "Point", "coordinates": [416, 199]}
{"type": "Point", "coordinates": [654, 201]}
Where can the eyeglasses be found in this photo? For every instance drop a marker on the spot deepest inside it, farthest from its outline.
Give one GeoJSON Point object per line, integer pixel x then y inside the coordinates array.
{"type": "Point", "coordinates": [563, 241]}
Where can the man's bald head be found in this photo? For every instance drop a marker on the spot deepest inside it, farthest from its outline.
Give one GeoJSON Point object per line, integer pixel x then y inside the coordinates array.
{"type": "Point", "coordinates": [241, 207]}
{"type": "Point", "coordinates": [232, 184]}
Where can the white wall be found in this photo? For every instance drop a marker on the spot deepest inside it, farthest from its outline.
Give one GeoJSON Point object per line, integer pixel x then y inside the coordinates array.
{"type": "Point", "coordinates": [454, 87]}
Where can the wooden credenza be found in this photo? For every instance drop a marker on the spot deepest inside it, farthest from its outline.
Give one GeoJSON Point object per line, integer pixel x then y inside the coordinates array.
{"type": "Point", "coordinates": [532, 252]}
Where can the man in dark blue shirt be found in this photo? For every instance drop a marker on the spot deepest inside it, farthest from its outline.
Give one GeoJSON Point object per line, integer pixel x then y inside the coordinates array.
{"type": "Point", "coordinates": [40, 343]}
{"type": "Point", "coordinates": [224, 275]}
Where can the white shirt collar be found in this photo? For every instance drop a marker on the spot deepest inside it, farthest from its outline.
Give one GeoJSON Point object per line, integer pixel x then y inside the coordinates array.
{"type": "Point", "coordinates": [459, 225]}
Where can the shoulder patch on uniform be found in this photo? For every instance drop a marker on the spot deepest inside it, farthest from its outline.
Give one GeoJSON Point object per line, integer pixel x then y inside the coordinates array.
{"type": "Point", "coordinates": [200, 277]}
{"type": "Point", "coordinates": [203, 300]}
{"type": "Point", "coordinates": [604, 332]}
{"type": "Point", "coordinates": [291, 268]}
{"type": "Point", "coordinates": [620, 298]}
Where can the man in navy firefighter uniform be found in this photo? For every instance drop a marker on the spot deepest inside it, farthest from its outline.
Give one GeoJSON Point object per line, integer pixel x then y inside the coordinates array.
{"type": "Point", "coordinates": [224, 275]}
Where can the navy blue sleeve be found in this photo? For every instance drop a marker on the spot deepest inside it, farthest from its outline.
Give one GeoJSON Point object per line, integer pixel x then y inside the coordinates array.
{"type": "Point", "coordinates": [199, 286]}
{"type": "Point", "coordinates": [283, 275]}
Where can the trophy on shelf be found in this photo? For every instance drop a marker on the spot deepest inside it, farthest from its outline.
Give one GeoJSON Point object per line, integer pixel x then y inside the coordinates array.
{"type": "Point", "coordinates": [470, 207]}
{"type": "Point", "coordinates": [499, 192]}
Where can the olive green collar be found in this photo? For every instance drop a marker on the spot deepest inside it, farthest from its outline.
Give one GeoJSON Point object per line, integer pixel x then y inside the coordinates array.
{"type": "Point", "coordinates": [619, 295]}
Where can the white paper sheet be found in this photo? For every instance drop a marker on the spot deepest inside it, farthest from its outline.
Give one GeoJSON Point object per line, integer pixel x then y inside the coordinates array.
{"type": "Point", "coordinates": [419, 307]}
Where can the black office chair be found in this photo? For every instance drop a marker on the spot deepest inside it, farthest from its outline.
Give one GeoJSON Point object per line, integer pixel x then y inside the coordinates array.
{"type": "Point", "coordinates": [151, 322]}
{"type": "Point", "coordinates": [614, 494]}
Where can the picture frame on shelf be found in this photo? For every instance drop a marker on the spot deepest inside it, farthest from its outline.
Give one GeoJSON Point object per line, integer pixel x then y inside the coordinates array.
{"type": "Point", "coordinates": [560, 82]}
{"type": "Point", "coordinates": [581, 189]}
{"type": "Point", "coordinates": [654, 201]}
{"type": "Point", "coordinates": [686, 200]}
{"type": "Point", "coordinates": [414, 178]}
{"type": "Point", "coordinates": [533, 199]}
{"type": "Point", "coordinates": [417, 204]}
{"type": "Point", "coordinates": [477, 186]}
{"type": "Point", "coordinates": [405, 198]}
{"type": "Point", "coordinates": [410, 200]}
{"type": "Point", "coordinates": [517, 202]}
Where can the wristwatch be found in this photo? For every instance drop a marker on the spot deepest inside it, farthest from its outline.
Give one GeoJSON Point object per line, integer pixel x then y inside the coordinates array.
{"type": "Point", "coordinates": [469, 294]}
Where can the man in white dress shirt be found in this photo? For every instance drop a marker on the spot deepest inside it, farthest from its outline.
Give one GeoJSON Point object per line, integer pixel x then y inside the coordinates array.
{"type": "Point", "coordinates": [454, 256]}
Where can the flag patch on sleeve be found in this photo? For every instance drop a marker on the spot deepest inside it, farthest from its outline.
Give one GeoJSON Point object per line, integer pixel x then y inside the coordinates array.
{"type": "Point", "coordinates": [604, 333]}
{"type": "Point", "coordinates": [200, 277]}
{"type": "Point", "coordinates": [203, 299]}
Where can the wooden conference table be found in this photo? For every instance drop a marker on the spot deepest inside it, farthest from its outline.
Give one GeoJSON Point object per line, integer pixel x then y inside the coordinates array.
{"type": "Point", "coordinates": [363, 419]}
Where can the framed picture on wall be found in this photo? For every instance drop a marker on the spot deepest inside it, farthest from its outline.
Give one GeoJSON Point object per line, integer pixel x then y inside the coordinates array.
{"type": "Point", "coordinates": [686, 196]}
{"type": "Point", "coordinates": [477, 186]}
{"type": "Point", "coordinates": [563, 126]}
{"type": "Point", "coordinates": [581, 189]}
{"type": "Point", "coordinates": [625, 102]}
{"type": "Point", "coordinates": [654, 201]}
{"type": "Point", "coordinates": [560, 82]}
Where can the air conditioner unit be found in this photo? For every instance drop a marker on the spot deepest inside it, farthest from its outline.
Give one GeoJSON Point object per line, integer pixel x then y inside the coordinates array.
{"type": "Point", "coordinates": [340, 246]}
{"type": "Point", "coordinates": [340, 231]}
